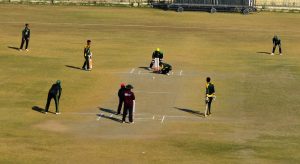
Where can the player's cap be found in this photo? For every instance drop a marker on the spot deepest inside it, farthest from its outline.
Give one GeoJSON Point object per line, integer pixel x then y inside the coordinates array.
{"type": "Point", "coordinates": [58, 82]}
{"type": "Point", "coordinates": [122, 85]}
{"type": "Point", "coordinates": [129, 86]}
{"type": "Point", "coordinates": [157, 49]}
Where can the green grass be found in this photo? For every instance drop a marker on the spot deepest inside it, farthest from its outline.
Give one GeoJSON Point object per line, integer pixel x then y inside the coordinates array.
{"type": "Point", "coordinates": [255, 117]}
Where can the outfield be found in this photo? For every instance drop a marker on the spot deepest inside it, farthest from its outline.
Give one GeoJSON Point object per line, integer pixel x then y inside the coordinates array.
{"type": "Point", "coordinates": [255, 118]}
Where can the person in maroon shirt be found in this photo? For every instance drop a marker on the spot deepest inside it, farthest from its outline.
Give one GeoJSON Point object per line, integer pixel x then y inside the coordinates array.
{"type": "Point", "coordinates": [129, 100]}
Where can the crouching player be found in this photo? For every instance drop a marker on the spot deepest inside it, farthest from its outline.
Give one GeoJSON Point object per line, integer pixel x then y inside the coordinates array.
{"type": "Point", "coordinates": [165, 68]}
{"type": "Point", "coordinates": [156, 54]}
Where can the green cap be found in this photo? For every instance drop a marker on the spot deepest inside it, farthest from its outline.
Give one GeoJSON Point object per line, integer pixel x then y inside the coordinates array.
{"type": "Point", "coordinates": [129, 86]}
{"type": "Point", "coordinates": [58, 82]}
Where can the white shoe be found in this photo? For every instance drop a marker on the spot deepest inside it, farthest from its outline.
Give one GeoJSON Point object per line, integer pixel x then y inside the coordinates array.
{"type": "Point", "coordinates": [57, 113]}
{"type": "Point", "coordinates": [45, 112]}
{"type": "Point", "coordinates": [149, 69]}
{"type": "Point", "coordinates": [272, 53]}
{"type": "Point", "coordinates": [132, 122]}
{"type": "Point", "coordinates": [27, 49]}
{"type": "Point", "coordinates": [280, 54]}
{"type": "Point", "coordinates": [168, 74]}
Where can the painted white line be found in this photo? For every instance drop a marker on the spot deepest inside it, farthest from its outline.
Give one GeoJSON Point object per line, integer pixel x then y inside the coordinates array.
{"type": "Point", "coordinates": [143, 118]}
{"type": "Point", "coordinates": [184, 117]}
{"type": "Point", "coordinates": [153, 117]}
{"type": "Point", "coordinates": [180, 74]}
{"type": "Point", "coordinates": [81, 113]}
{"type": "Point", "coordinates": [132, 70]}
{"type": "Point", "coordinates": [162, 120]}
{"type": "Point", "coordinates": [111, 115]}
{"type": "Point", "coordinates": [139, 72]}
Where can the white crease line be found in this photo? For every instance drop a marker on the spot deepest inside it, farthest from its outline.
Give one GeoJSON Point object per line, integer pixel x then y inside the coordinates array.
{"type": "Point", "coordinates": [143, 118]}
{"type": "Point", "coordinates": [153, 117]}
{"type": "Point", "coordinates": [132, 70]}
{"type": "Point", "coordinates": [180, 73]}
{"type": "Point", "coordinates": [162, 120]}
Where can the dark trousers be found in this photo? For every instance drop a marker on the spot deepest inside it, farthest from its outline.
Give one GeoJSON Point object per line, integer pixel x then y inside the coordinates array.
{"type": "Point", "coordinates": [274, 47]}
{"type": "Point", "coordinates": [151, 64]}
{"type": "Point", "coordinates": [56, 100]}
{"type": "Point", "coordinates": [22, 43]}
{"type": "Point", "coordinates": [86, 63]}
{"type": "Point", "coordinates": [210, 99]}
{"type": "Point", "coordinates": [121, 101]}
{"type": "Point", "coordinates": [126, 110]}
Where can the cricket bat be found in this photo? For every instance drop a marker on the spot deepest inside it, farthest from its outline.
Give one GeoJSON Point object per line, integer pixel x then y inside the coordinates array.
{"type": "Point", "coordinates": [91, 63]}
{"type": "Point", "coordinates": [133, 110]}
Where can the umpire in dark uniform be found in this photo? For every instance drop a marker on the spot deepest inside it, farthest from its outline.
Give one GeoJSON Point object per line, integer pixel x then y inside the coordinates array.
{"type": "Point", "coordinates": [121, 97]}
{"type": "Point", "coordinates": [25, 37]}
{"type": "Point", "coordinates": [129, 102]}
{"type": "Point", "coordinates": [55, 93]}
{"type": "Point", "coordinates": [209, 96]}
{"type": "Point", "coordinates": [276, 42]}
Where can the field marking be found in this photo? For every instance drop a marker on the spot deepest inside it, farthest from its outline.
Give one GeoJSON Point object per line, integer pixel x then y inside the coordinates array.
{"type": "Point", "coordinates": [132, 70]}
{"type": "Point", "coordinates": [99, 116]}
{"type": "Point", "coordinates": [180, 74]}
{"type": "Point", "coordinates": [162, 120]}
{"type": "Point", "coordinates": [139, 72]}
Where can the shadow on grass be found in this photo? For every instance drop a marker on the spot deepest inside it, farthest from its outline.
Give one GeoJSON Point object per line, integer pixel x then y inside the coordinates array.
{"type": "Point", "coordinates": [145, 68]}
{"type": "Point", "coordinates": [263, 52]}
{"type": "Point", "coordinates": [14, 48]}
{"type": "Point", "coordinates": [107, 110]}
{"type": "Point", "coordinates": [197, 113]}
{"type": "Point", "coordinates": [110, 118]}
{"type": "Point", "coordinates": [73, 67]}
{"type": "Point", "coordinates": [41, 110]}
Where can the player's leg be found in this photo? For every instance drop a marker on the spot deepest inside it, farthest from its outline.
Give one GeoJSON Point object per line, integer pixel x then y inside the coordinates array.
{"type": "Point", "coordinates": [56, 105]}
{"type": "Point", "coordinates": [27, 42]}
{"type": "Point", "coordinates": [48, 103]}
{"type": "Point", "coordinates": [274, 48]}
{"type": "Point", "coordinates": [280, 52]}
{"type": "Point", "coordinates": [22, 43]}
{"type": "Point", "coordinates": [124, 113]}
{"type": "Point", "coordinates": [130, 114]}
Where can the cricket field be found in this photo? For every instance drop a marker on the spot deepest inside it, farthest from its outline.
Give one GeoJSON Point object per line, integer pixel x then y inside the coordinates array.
{"type": "Point", "coordinates": [255, 118]}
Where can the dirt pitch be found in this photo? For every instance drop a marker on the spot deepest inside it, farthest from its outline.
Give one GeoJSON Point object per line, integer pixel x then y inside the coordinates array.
{"type": "Point", "coordinates": [255, 117]}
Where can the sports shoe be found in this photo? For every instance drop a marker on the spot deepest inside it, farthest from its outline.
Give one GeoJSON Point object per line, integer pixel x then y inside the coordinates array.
{"type": "Point", "coordinates": [131, 122]}
{"type": "Point", "coordinates": [280, 54]}
{"type": "Point", "coordinates": [123, 122]}
{"type": "Point", "coordinates": [149, 69]}
{"type": "Point", "coordinates": [272, 53]}
{"type": "Point", "coordinates": [20, 49]}
{"type": "Point", "coordinates": [45, 112]}
{"type": "Point", "coordinates": [27, 49]}
{"type": "Point", "coordinates": [57, 113]}
{"type": "Point", "coordinates": [168, 74]}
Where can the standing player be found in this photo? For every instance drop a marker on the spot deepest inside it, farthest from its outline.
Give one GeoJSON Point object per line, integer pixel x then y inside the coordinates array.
{"type": "Point", "coordinates": [54, 92]}
{"type": "Point", "coordinates": [209, 96]}
{"type": "Point", "coordinates": [129, 102]}
{"type": "Point", "coordinates": [121, 97]}
{"type": "Point", "coordinates": [156, 54]}
{"type": "Point", "coordinates": [87, 56]}
{"type": "Point", "coordinates": [25, 37]}
{"type": "Point", "coordinates": [276, 42]}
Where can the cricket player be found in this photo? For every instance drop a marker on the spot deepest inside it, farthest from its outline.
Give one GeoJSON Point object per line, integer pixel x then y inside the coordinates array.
{"type": "Point", "coordinates": [209, 96]}
{"type": "Point", "coordinates": [276, 42]}
{"type": "Point", "coordinates": [156, 54]}
{"type": "Point", "coordinates": [25, 37]}
{"type": "Point", "coordinates": [121, 97]}
{"type": "Point", "coordinates": [165, 68]}
{"type": "Point", "coordinates": [87, 56]}
{"type": "Point", "coordinates": [55, 93]}
{"type": "Point", "coordinates": [129, 102]}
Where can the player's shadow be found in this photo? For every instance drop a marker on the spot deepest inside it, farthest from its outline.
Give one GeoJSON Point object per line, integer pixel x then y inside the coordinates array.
{"type": "Point", "coordinates": [197, 113]}
{"type": "Point", "coordinates": [70, 66]}
{"type": "Point", "coordinates": [109, 117]}
{"type": "Point", "coordinates": [107, 110]}
{"type": "Point", "coordinates": [145, 68]}
{"type": "Point", "coordinates": [39, 109]}
{"type": "Point", "coordinates": [263, 52]}
{"type": "Point", "coordinates": [14, 48]}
